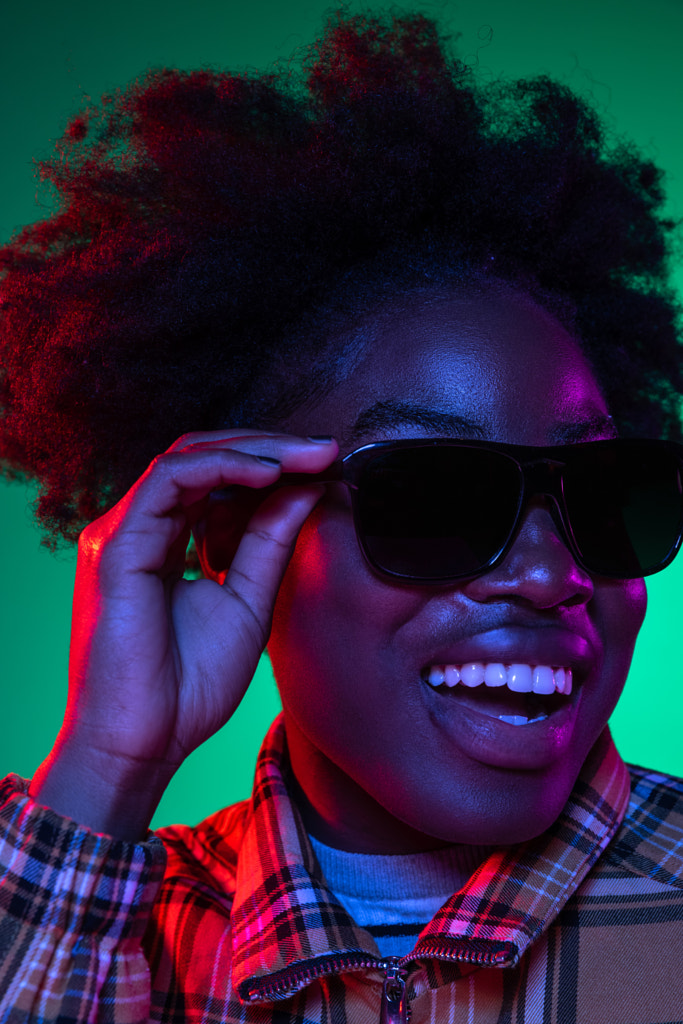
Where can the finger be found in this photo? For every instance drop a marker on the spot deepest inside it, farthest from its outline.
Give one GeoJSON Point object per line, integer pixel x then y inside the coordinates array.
{"type": "Point", "coordinates": [244, 437]}
{"type": "Point", "coordinates": [180, 479]}
{"type": "Point", "coordinates": [144, 525]}
{"type": "Point", "coordinates": [138, 532]}
{"type": "Point", "coordinates": [266, 548]}
{"type": "Point", "coordinates": [174, 481]}
{"type": "Point", "coordinates": [296, 454]}
{"type": "Point", "coordinates": [219, 436]}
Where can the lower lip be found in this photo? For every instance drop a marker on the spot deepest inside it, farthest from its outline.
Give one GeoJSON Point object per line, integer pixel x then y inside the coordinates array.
{"type": "Point", "coordinates": [500, 744]}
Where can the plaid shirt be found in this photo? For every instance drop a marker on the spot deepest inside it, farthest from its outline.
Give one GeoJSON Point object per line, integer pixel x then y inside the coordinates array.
{"type": "Point", "coordinates": [232, 920]}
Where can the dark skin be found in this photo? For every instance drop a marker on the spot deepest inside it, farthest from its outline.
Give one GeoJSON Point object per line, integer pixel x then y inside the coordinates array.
{"type": "Point", "coordinates": [382, 763]}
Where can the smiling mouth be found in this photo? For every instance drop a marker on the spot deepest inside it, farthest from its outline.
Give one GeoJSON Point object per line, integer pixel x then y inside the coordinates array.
{"type": "Point", "coordinates": [519, 694]}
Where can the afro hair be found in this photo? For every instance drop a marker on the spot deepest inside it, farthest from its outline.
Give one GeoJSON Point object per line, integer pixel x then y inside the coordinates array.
{"type": "Point", "coordinates": [215, 235]}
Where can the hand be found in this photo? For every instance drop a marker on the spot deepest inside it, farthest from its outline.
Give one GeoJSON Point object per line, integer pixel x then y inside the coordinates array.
{"type": "Point", "coordinates": [159, 663]}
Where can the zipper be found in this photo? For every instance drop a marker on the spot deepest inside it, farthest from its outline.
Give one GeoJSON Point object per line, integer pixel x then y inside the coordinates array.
{"type": "Point", "coordinates": [394, 1007]}
{"type": "Point", "coordinates": [486, 953]}
{"type": "Point", "coordinates": [290, 981]}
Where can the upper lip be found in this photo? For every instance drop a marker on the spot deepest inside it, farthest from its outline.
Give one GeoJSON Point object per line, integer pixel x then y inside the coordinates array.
{"type": "Point", "coordinates": [547, 645]}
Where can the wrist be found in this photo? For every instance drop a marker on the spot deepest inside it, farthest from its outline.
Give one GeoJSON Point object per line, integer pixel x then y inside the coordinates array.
{"type": "Point", "coordinates": [105, 794]}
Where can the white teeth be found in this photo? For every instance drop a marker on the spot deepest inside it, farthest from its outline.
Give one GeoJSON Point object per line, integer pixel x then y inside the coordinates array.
{"type": "Point", "coordinates": [521, 678]}
{"type": "Point", "coordinates": [495, 674]}
{"type": "Point", "coordinates": [452, 675]}
{"type": "Point", "coordinates": [568, 681]}
{"type": "Point", "coordinates": [436, 676]}
{"type": "Point", "coordinates": [521, 719]}
{"type": "Point", "coordinates": [472, 675]}
{"type": "Point", "coordinates": [543, 681]}
{"type": "Point", "coordinates": [563, 680]}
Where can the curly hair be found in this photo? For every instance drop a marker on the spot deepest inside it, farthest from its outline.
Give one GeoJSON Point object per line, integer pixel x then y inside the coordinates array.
{"type": "Point", "coordinates": [217, 236]}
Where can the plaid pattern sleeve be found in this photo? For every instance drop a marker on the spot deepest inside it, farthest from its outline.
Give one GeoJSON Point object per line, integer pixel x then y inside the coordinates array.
{"type": "Point", "coordinates": [73, 908]}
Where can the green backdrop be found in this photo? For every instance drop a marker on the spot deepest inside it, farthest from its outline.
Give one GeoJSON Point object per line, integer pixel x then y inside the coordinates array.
{"type": "Point", "coordinates": [625, 53]}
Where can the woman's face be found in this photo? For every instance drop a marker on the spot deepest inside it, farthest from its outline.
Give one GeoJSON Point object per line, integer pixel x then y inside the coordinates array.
{"type": "Point", "coordinates": [385, 761]}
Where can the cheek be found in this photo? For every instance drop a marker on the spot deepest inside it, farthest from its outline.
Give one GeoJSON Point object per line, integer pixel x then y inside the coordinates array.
{"type": "Point", "coordinates": [315, 627]}
{"type": "Point", "coordinates": [626, 611]}
{"type": "Point", "coordinates": [324, 562]}
{"type": "Point", "coordinates": [314, 598]}
{"type": "Point", "coordinates": [334, 619]}
{"type": "Point", "coordinates": [620, 610]}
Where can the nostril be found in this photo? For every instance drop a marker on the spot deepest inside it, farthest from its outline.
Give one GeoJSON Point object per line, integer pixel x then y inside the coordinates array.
{"type": "Point", "coordinates": [540, 565]}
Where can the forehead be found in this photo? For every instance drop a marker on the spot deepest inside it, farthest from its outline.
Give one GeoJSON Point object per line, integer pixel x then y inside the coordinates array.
{"type": "Point", "coordinates": [491, 358]}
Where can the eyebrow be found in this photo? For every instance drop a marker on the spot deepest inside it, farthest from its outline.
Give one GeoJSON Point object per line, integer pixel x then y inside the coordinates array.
{"type": "Point", "coordinates": [594, 429]}
{"type": "Point", "coordinates": [389, 414]}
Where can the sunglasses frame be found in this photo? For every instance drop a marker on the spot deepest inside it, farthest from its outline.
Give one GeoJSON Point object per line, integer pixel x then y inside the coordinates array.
{"type": "Point", "coordinates": [541, 473]}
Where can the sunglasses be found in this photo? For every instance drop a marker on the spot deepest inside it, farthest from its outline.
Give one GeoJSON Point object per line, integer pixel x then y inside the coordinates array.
{"type": "Point", "coordinates": [441, 510]}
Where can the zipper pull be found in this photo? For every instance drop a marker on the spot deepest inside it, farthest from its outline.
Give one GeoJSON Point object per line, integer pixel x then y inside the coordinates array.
{"type": "Point", "coordinates": [394, 1006]}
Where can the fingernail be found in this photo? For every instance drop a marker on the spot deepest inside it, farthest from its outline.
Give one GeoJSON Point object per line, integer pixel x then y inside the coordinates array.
{"type": "Point", "coordinates": [267, 461]}
{"type": "Point", "coordinates": [320, 438]}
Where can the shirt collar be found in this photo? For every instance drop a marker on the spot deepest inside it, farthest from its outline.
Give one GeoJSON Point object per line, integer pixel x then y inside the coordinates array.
{"type": "Point", "coordinates": [285, 918]}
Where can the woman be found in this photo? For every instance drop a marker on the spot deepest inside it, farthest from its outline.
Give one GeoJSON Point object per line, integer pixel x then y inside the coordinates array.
{"type": "Point", "coordinates": [413, 334]}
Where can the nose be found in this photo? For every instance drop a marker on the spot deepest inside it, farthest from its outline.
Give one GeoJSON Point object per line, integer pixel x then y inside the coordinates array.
{"type": "Point", "coordinates": [538, 568]}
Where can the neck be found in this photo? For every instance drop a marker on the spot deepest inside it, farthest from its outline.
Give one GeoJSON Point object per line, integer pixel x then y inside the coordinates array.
{"type": "Point", "coordinates": [341, 814]}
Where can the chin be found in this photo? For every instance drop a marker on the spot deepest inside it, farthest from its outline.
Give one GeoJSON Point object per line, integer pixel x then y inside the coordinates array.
{"type": "Point", "coordinates": [517, 809]}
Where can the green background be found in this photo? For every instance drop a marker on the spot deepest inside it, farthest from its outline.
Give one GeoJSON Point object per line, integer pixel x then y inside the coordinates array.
{"type": "Point", "coordinates": [624, 53]}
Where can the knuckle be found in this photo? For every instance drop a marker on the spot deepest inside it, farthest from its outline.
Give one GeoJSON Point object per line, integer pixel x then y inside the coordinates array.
{"type": "Point", "coordinates": [158, 461]}
{"type": "Point", "coordinates": [270, 538]}
{"type": "Point", "coordinates": [87, 540]}
{"type": "Point", "coordinates": [94, 537]}
{"type": "Point", "coordinates": [187, 437]}
{"type": "Point", "coordinates": [182, 442]}
{"type": "Point", "coordinates": [92, 545]}
{"type": "Point", "coordinates": [253, 581]}
{"type": "Point", "coordinates": [162, 465]}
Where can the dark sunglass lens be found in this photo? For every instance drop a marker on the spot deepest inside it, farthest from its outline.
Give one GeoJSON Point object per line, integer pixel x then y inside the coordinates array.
{"type": "Point", "coordinates": [437, 512]}
{"type": "Point", "coordinates": [625, 506]}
